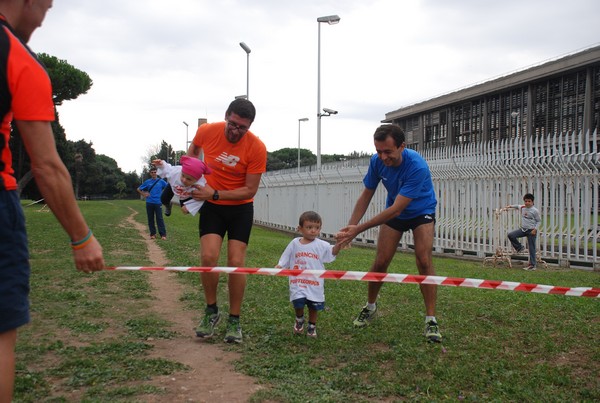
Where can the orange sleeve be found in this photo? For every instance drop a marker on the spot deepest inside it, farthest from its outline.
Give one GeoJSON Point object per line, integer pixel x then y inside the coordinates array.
{"type": "Point", "coordinates": [30, 86]}
{"type": "Point", "coordinates": [257, 161]}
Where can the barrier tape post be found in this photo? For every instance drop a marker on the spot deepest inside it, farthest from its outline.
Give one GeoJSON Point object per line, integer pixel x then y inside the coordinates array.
{"type": "Point", "coordinates": [591, 292]}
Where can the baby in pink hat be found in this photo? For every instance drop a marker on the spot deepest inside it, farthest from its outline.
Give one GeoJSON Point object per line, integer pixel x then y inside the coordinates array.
{"type": "Point", "coordinates": [183, 180]}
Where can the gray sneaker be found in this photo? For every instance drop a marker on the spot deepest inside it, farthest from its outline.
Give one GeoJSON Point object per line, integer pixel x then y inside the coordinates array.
{"type": "Point", "coordinates": [432, 332]}
{"type": "Point", "coordinates": [234, 332]}
{"type": "Point", "coordinates": [206, 328]}
{"type": "Point", "coordinates": [365, 317]}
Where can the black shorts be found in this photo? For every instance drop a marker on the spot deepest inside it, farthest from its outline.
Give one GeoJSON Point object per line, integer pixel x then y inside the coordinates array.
{"type": "Point", "coordinates": [411, 223]}
{"type": "Point", "coordinates": [14, 263]}
{"type": "Point", "coordinates": [235, 220]}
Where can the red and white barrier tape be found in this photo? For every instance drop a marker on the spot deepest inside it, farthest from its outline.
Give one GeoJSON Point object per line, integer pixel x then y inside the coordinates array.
{"type": "Point", "coordinates": [385, 277]}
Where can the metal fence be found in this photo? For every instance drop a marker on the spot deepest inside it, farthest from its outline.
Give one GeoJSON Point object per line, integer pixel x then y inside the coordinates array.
{"type": "Point", "coordinates": [471, 182]}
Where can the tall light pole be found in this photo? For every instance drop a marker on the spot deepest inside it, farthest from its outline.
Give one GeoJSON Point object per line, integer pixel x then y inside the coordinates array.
{"type": "Point", "coordinates": [299, 121]}
{"type": "Point", "coordinates": [187, 142]}
{"type": "Point", "coordinates": [330, 19]}
{"type": "Point", "coordinates": [518, 116]}
{"type": "Point", "coordinates": [247, 50]}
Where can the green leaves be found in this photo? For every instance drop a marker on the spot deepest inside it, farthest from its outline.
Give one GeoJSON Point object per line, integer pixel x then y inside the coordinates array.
{"type": "Point", "coordinates": [68, 82]}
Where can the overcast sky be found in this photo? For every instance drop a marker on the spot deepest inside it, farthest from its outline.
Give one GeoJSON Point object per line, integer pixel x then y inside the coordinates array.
{"type": "Point", "coordinates": [156, 64]}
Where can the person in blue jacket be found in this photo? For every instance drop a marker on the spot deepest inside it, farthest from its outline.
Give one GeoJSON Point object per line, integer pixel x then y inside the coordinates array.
{"type": "Point", "coordinates": [151, 190]}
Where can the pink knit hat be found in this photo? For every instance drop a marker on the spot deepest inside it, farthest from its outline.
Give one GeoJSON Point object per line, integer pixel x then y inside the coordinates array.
{"type": "Point", "coordinates": [194, 167]}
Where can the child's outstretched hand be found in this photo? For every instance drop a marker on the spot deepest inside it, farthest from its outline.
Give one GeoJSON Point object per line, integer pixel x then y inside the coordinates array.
{"type": "Point", "coordinates": [157, 162]}
{"type": "Point", "coordinates": [341, 239]}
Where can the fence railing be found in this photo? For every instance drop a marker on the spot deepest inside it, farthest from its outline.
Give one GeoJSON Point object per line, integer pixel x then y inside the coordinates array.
{"type": "Point", "coordinates": [561, 170]}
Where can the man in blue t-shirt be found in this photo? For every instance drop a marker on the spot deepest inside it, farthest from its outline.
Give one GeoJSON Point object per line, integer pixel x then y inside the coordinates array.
{"type": "Point", "coordinates": [151, 190]}
{"type": "Point", "coordinates": [410, 205]}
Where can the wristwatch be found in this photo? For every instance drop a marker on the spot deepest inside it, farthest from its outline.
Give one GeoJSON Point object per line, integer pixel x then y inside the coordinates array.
{"type": "Point", "coordinates": [216, 195]}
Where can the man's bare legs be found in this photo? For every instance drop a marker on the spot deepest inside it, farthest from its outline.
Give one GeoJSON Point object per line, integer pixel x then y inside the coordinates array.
{"type": "Point", "coordinates": [236, 257]}
{"type": "Point", "coordinates": [8, 341]}
{"type": "Point", "coordinates": [423, 236]}
{"type": "Point", "coordinates": [210, 246]}
{"type": "Point", "coordinates": [387, 243]}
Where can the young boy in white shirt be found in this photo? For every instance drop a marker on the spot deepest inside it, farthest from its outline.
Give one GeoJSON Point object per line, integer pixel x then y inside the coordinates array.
{"type": "Point", "coordinates": [308, 253]}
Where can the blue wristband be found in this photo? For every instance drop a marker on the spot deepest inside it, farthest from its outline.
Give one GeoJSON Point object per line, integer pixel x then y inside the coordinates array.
{"type": "Point", "coordinates": [89, 234]}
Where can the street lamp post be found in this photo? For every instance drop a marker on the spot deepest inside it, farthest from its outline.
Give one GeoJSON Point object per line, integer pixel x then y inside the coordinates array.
{"type": "Point", "coordinates": [330, 19]}
{"type": "Point", "coordinates": [518, 116]}
{"type": "Point", "coordinates": [187, 142]}
{"type": "Point", "coordinates": [299, 121]}
{"type": "Point", "coordinates": [247, 50]}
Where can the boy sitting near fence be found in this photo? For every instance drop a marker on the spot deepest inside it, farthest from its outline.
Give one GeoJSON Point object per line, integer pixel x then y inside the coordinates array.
{"type": "Point", "coordinates": [530, 222]}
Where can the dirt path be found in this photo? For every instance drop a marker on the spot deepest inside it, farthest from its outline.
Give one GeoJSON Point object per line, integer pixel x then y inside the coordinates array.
{"type": "Point", "coordinates": [211, 377]}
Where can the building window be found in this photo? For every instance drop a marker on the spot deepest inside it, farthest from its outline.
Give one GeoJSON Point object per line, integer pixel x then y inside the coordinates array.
{"type": "Point", "coordinates": [596, 98]}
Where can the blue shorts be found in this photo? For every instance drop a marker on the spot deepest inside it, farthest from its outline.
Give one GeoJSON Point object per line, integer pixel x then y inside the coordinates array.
{"type": "Point", "coordinates": [312, 305]}
{"type": "Point", "coordinates": [14, 263]}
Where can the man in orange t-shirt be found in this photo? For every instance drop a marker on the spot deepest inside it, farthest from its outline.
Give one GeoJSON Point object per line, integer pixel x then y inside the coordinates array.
{"type": "Point", "coordinates": [238, 159]}
{"type": "Point", "coordinates": [26, 100]}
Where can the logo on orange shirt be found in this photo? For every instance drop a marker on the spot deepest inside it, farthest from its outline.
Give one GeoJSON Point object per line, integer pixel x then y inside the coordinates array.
{"type": "Point", "coordinates": [226, 159]}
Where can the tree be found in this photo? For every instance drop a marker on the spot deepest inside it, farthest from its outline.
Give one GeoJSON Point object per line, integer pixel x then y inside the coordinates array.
{"type": "Point", "coordinates": [92, 174]}
{"type": "Point", "coordinates": [359, 154]}
{"type": "Point", "coordinates": [163, 151]}
{"type": "Point", "coordinates": [121, 187]}
{"type": "Point", "coordinates": [68, 83]}
{"type": "Point", "coordinates": [288, 158]}
{"type": "Point", "coordinates": [332, 158]}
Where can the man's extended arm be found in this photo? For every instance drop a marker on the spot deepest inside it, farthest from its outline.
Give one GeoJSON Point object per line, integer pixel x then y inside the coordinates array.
{"type": "Point", "coordinates": [54, 183]}
{"type": "Point", "coordinates": [353, 228]}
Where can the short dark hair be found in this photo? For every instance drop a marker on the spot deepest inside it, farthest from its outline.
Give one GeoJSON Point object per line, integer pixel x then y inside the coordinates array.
{"type": "Point", "coordinates": [528, 196]}
{"type": "Point", "coordinates": [390, 130]}
{"type": "Point", "coordinates": [243, 108]}
{"type": "Point", "coordinates": [152, 170]}
{"type": "Point", "coordinates": [309, 216]}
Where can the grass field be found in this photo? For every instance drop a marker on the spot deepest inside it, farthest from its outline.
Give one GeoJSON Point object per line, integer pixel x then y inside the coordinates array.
{"type": "Point", "coordinates": [87, 339]}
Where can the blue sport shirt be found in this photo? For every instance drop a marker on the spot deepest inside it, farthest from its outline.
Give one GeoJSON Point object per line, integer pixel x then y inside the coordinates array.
{"type": "Point", "coordinates": [411, 179]}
